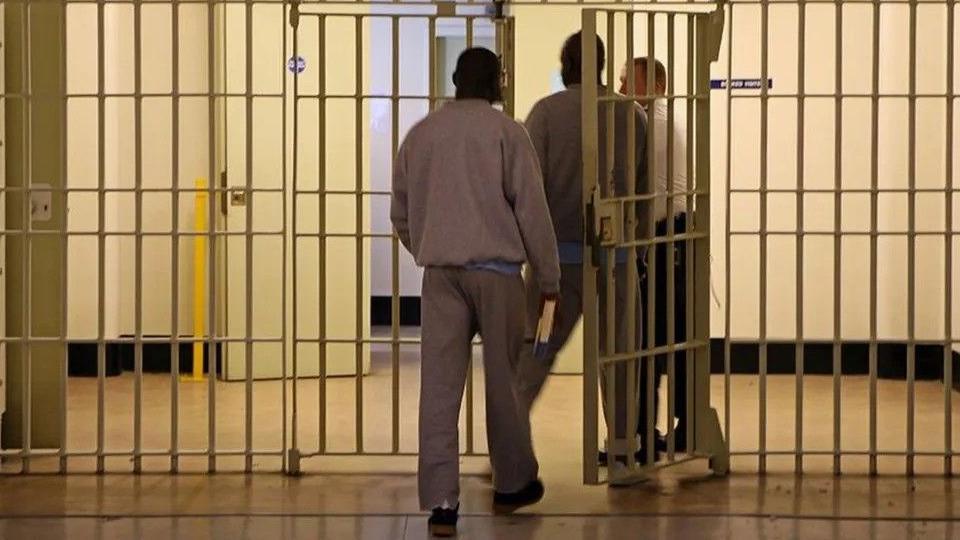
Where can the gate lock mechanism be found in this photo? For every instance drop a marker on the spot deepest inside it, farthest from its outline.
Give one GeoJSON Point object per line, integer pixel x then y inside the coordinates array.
{"type": "Point", "coordinates": [604, 224]}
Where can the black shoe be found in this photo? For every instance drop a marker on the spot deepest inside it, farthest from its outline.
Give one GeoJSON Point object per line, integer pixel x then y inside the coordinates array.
{"type": "Point", "coordinates": [443, 522]}
{"type": "Point", "coordinates": [508, 502]}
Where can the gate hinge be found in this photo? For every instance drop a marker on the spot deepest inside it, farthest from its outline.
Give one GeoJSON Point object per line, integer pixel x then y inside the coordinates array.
{"type": "Point", "coordinates": [294, 14]}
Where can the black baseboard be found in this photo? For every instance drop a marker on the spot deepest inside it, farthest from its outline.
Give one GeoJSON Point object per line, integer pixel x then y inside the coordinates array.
{"type": "Point", "coordinates": [818, 359]}
{"type": "Point", "coordinates": [381, 311]}
{"type": "Point", "coordinates": [82, 358]}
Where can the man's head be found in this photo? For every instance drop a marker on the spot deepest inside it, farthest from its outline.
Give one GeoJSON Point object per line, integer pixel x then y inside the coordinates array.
{"type": "Point", "coordinates": [478, 75]}
{"type": "Point", "coordinates": [640, 74]}
{"type": "Point", "coordinates": [571, 59]}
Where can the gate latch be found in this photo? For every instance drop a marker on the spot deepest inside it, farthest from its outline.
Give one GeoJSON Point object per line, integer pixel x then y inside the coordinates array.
{"type": "Point", "coordinates": [604, 222]}
{"type": "Point", "coordinates": [609, 226]}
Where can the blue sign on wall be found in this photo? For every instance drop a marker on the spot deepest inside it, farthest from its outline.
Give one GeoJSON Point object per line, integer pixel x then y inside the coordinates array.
{"type": "Point", "coordinates": [740, 84]}
{"type": "Point", "coordinates": [296, 65]}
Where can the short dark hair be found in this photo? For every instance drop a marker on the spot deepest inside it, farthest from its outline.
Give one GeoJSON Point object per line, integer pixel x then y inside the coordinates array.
{"type": "Point", "coordinates": [571, 59]}
{"type": "Point", "coordinates": [478, 75]}
{"type": "Point", "coordinates": [660, 72]}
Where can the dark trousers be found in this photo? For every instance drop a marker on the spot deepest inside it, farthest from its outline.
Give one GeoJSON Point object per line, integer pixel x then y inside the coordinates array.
{"type": "Point", "coordinates": [680, 329]}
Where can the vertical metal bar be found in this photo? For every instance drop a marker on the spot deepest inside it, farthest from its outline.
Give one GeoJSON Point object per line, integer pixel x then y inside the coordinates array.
{"type": "Point", "coordinates": [64, 241]}
{"type": "Point", "coordinates": [322, 252]}
{"type": "Point", "coordinates": [101, 238]}
{"type": "Point", "coordinates": [248, 230]}
{"type": "Point", "coordinates": [912, 241]}
{"type": "Point", "coordinates": [432, 59]}
{"type": "Point", "coordinates": [26, 260]}
{"type": "Point", "coordinates": [799, 239]}
{"type": "Point", "coordinates": [728, 237]}
{"type": "Point", "coordinates": [632, 309]}
{"type": "Point", "coordinates": [175, 242]}
{"type": "Point", "coordinates": [948, 259]}
{"type": "Point", "coordinates": [589, 120]}
{"type": "Point", "coordinates": [649, 437]}
{"type": "Point", "coordinates": [671, 251]}
{"type": "Point", "coordinates": [211, 242]}
{"type": "Point", "coordinates": [764, 140]}
{"type": "Point", "coordinates": [395, 241]}
{"type": "Point", "coordinates": [138, 245]}
{"type": "Point", "coordinates": [693, 298]}
{"type": "Point", "coordinates": [837, 239]}
{"type": "Point", "coordinates": [358, 199]}
{"type": "Point", "coordinates": [874, 205]}
{"type": "Point", "coordinates": [701, 224]}
{"type": "Point", "coordinates": [468, 21]}
{"type": "Point", "coordinates": [286, 239]}
{"type": "Point", "coordinates": [610, 300]}
{"type": "Point", "coordinates": [470, 383]}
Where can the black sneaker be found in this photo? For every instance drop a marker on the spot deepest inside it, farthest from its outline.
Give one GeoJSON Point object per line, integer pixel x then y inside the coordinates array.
{"type": "Point", "coordinates": [443, 522]}
{"type": "Point", "coordinates": [508, 502]}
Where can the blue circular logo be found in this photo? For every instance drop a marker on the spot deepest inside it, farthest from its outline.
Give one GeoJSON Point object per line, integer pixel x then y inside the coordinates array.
{"type": "Point", "coordinates": [297, 64]}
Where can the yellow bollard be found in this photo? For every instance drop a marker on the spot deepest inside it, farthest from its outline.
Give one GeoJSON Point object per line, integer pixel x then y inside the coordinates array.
{"type": "Point", "coordinates": [199, 278]}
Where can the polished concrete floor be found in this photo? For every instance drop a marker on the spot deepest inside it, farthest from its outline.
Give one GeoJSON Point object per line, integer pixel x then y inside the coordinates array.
{"type": "Point", "coordinates": [375, 497]}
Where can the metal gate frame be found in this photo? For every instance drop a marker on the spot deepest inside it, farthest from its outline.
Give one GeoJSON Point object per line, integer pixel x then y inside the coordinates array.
{"type": "Point", "coordinates": [607, 215]}
{"type": "Point", "coordinates": [504, 28]}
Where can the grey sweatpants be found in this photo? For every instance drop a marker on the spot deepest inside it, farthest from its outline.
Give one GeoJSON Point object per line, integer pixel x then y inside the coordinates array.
{"type": "Point", "coordinates": [534, 370]}
{"type": "Point", "coordinates": [458, 304]}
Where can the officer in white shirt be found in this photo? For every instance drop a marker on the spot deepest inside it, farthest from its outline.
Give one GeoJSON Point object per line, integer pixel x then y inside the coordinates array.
{"type": "Point", "coordinates": [670, 191]}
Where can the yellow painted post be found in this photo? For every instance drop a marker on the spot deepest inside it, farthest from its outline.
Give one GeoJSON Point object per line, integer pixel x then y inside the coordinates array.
{"type": "Point", "coordinates": [199, 277]}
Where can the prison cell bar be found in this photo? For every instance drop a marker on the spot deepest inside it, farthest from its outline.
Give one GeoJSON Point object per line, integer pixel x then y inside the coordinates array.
{"type": "Point", "coordinates": [589, 135]}
{"type": "Point", "coordinates": [669, 201]}
{"type": "Point", "coordinates": [874, 175]}
{"type": "Point", "coordinates": [948, 256]}
{"type": "Point", "coordinates": [211, 242]}
{"type": "Point", "coordinates": [689, 354]}
{"type": "Point", "coordinates": [138, 244]}
{"type": "Point", "coordinates": [633, 309]}
{"type": "Point", "coordinates": [609, 272]}
{"type": "Point", "coordinates": [101, 239]}
{"type": "Point", "coordinates": [727, 311]}
{"type": "Point", "coordinates": [322, 225]}
{"type": "Point", "coordinates": [799, 240]}
{"type": "Point", "coordinates": [911, 237]}
{"type": "Point", "coordinates": [64, 247]}
{"type": "Point", "coordinates": [26, 350]}
{"type": "Point", "coordinates": [174, 243]}
{"type": "Point", "coordinates": [764, 141]}
{"type": "Point", "coordinates": [649, 437]}
{"type": "Point", "coordinates": [395, 240]}
{"type": "Point", "coordinates": [837, 239]}
{"type": "Point", "coordinates": [248, 239]}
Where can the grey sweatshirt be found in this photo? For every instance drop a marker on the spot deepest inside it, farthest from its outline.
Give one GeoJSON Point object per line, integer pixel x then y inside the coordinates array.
{"type": "Point", "coordinates": [555, 129]}
{"type": "Point", "coordinates": [467, 189]}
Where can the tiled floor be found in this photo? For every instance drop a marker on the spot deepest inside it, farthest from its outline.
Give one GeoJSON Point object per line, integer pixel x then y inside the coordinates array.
{"type": "Point", "coordinates": [372, 497]}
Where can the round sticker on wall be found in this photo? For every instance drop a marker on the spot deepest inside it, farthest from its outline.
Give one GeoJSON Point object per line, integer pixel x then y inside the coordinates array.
{"type": "Point", "coordinates": [296, 64]}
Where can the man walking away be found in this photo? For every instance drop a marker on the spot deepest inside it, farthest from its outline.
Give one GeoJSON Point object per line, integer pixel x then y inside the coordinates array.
{"type": "Point", "coordinates": [468, 203]}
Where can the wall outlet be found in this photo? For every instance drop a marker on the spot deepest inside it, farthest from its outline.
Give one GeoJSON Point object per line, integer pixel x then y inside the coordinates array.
{"type": "Point", "coordinates": [41, 203]}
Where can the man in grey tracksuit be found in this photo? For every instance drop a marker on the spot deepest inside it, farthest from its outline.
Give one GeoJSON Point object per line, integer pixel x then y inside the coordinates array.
{"type": "Point", "coordinates": [468, 203]}
{"type": "Point", "coordinates": [554, 127]}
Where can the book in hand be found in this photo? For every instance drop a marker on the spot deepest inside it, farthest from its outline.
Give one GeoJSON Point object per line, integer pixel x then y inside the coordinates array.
{"type": "Point", "coordinates": [544, 327]}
